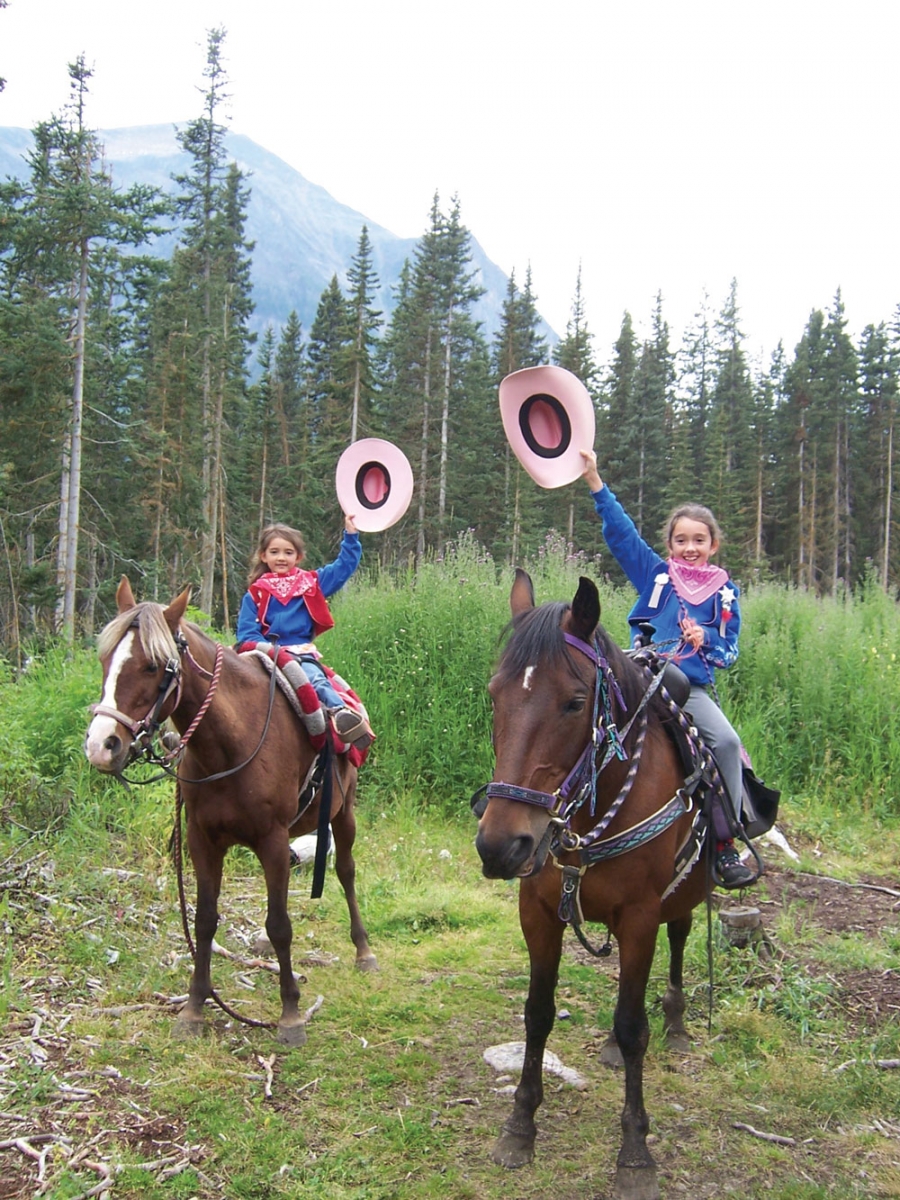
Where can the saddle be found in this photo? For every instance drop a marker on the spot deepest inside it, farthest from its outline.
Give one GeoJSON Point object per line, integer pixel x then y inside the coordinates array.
{"type": "Point", "coordinates": [759, 803]}
{"type": "Point", "coordinates": [294, 683]}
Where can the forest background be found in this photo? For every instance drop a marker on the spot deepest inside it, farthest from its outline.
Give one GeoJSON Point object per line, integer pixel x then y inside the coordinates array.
{"type": "Point", "coordinates": [144, 432]}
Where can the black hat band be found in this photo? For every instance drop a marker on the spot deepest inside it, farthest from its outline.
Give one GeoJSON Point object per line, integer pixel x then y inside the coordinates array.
{"type": "Point", "coordinates": [561, 416]}
{"type": "Point", "coordinates": [384, 477]}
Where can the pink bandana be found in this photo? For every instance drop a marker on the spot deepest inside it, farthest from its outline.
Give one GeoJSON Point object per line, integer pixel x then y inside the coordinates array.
{"type": "Point", "coordinates": [695, 584]}
{"type": "Point", "coordinates": [286, 587]}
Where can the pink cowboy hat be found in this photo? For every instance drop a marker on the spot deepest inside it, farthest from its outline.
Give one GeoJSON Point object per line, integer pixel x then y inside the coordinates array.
{"type": "Point", "coordinates": [374, 484]}
{"type": "Point", "coordinates": [548, 418]}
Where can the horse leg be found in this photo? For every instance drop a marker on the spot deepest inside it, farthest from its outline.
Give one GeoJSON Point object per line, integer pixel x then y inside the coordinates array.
{"type": "Point", "coordinates": [543, 936]}
{"type": "Point", "coordinates": [635, 1168]}
{"type": "Point", "coordinates": [343, 826]}
{"type": "Point", "coordinates": [207, 861]}
{"type": "Point", "coordinates": [275, 856]}
{"type": "Point", "coordinates": [673, 1001]}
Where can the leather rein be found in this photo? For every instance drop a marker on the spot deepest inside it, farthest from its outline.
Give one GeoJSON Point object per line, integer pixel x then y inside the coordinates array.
{"type": "Point", "coordinates": [580, 786]}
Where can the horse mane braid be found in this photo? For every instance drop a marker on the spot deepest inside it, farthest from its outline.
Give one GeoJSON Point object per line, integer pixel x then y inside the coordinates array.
{"type": "Point", "coordinates": [154, 634]}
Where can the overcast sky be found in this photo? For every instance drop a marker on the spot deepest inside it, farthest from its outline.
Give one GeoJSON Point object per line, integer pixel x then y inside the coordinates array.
{"type": "Point", "coordinates": [665, 145]}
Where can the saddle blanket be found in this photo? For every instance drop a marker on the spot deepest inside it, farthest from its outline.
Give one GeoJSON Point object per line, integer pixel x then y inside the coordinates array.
{"type": "Point", "coordinates": [301, 695]}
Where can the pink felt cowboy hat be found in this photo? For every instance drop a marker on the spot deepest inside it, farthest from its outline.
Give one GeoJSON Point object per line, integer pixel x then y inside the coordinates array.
{"type": "Point", "coordinates": [374, 483]}
{"type": "Point", "coordinates": [548, 418]}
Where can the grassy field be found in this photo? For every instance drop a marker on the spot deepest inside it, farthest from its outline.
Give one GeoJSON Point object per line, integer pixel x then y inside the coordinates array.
{"type": "Point", "coordinates": [391, 1096]}
{"type": "Point", "coordinates": [788, 1091]}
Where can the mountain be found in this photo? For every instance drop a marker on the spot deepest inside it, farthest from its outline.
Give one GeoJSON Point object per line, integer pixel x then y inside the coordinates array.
{"type": "Point", "coordinates": [303, 235]}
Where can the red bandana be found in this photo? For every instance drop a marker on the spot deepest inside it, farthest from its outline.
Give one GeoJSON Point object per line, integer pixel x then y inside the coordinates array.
{"type": "Point", "coordinates": [286, 587]}
{"type": "Point", "coordinates": [695, 584]}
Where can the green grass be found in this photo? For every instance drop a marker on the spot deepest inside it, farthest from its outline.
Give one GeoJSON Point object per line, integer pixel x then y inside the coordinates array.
{"type": "Point", "coordinates": [391, 1096]}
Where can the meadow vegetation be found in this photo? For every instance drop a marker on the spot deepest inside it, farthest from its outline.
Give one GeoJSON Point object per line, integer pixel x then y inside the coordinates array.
{"type": "Point", "coordinates": [787, 1093]}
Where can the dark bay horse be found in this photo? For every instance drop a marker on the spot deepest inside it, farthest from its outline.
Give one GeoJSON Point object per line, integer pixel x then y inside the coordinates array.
{"type": "Point", "coordinates": [561, 688]}
{"type": "Point", "coordinates": [246, 761]}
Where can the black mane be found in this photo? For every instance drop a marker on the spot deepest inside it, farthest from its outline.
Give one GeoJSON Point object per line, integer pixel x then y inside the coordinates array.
{"type": "Point", "coordinates": [537, 634]}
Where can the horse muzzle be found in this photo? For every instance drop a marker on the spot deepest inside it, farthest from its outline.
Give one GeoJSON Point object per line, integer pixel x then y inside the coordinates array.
{"type": "Point", "coordinates": [105, 747]}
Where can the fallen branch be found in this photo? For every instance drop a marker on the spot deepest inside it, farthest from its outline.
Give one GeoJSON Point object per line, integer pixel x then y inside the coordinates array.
{"type": "Point", "coordinates": [267, 1065]}
{"type": "Point", "coordinates": [765, 1137]}
{"type": "Point", "coordinates": [313, 1009]}
{"type": "Point", "coordinates": [883, 1064]}
{"type": "Point", "coordinates": [872, 887]}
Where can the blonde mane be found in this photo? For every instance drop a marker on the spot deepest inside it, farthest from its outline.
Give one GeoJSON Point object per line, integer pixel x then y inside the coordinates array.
{"type": "Point", "coordinates": [154, 634]}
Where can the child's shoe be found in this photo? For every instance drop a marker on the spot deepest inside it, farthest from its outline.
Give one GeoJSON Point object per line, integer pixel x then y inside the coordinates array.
{"type": "Point", "coordinates": [728, 870]}
{"type": "Point", "coordinates": [352, 728]}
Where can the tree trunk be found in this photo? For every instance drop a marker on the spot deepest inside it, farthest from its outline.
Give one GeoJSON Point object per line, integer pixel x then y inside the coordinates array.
{"type": "Point", "coordinates": [71, 503]}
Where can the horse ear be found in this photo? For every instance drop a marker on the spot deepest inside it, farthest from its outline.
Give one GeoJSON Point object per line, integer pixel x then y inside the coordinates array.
{"type": "Point", "coordinates": [522, 595]}
{"type": "Point", "coordinates": [585, 610]}
{"type": "Point", "coordinates": [176, 609]}
{"type": "Point", "coordinates": [124, 595]}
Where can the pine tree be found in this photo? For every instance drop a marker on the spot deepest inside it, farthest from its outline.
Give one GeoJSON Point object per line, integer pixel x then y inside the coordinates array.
{"type": "Point", "coordinates": [212, 203]}
{"type": "Point", "coordinates": [63, 275]}
{"type": "Point", "coordinates": [730, 485]}
{"type": "Point", "coordinates": [364, 324]}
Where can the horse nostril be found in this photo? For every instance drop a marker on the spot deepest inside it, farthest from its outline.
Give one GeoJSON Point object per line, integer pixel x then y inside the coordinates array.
{"type": "Point", "coordinates": [112, 743]}
{"type": "Point", "coordinates": [503, 859]}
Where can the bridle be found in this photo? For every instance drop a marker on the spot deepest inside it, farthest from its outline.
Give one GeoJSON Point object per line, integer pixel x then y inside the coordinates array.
{"type": "Point", "coordinates": [144, 729]}
{"type": "Point", "coordinates": [580, 785]}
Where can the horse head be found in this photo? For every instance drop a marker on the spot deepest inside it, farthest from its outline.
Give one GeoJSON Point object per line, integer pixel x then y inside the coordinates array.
{"type": "Point", "coordinates": [543, 699]}
{"type": "Point", "coordinates": [141, 677]}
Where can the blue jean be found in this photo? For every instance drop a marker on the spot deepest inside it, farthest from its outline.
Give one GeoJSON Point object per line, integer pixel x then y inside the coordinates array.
{"type": "Point", "coordinates": [722, 739]}
{"type": "Point", "coordinates": [321, 683]}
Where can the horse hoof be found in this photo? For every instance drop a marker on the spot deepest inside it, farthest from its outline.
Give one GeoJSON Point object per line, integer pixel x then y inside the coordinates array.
{"type": "Point", "coordinates": [369, 963]}
{"type": "Point", "coordinates": [610, 1054]}
{"type": "Point", "coordinates": [678, 1043]}
{"type": "Point", "coordinates": [189, 1027]}
{"type": "Point", "coordinates": [636, 1183]}
{"type": "Point", "coordinates": [513, 1150]}
{"type": "Point", "coordinates": [292, 1035]}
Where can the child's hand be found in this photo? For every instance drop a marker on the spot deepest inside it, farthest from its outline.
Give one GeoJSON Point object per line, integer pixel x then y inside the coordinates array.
{"type": "Point", "coordinates": [590, 474]}
{"type": "Point", "coordinates": [692, 633]}
{"type": "Point", "coordinates": [349, 524]}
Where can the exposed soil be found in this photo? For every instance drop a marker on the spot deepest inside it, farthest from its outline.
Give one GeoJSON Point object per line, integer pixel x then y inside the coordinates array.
{"type": "Point", "coordinates": [824, 907]}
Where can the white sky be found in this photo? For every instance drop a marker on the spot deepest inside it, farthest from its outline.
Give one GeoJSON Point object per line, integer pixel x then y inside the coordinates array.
{"type": "Point", "coordinates": [667, 145]}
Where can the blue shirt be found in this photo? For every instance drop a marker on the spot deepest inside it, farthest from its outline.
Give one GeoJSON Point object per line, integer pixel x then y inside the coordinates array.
{"type": "Point", "coordinates": [659, 605]}
{"type": "Point", "coordinates": [291, 624]}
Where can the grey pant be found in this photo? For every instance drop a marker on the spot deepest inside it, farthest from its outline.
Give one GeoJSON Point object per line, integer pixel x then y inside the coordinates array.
{"type": "Point", "coordinates": [722, 739]}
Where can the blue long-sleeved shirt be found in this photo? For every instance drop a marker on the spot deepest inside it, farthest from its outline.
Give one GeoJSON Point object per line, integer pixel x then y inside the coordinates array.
{"type": "Point", "coordinates": [659, 605]}
{"type": "Point", "coordinates": [291, 624]}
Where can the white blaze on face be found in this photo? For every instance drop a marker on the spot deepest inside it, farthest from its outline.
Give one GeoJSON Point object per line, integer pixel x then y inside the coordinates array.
{"type": "Point", "coordinates": [103, 727]}
{"type": "Point", "coordinates": [527, 677]}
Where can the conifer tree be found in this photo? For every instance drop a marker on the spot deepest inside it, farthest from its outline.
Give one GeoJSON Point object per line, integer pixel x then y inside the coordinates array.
{"type": "Point", "coordinates": [576, 354]}
{"type": "Point", "coordinates": [364, 324]}
{"type": "Point", "coordinates": [729, 487]}
{"type": "Point", "coordinates": [329, 391]}
{"type": "Point", "coordinates": [64, 279]}
{"type": "Point", "coordinates": [213, 259]}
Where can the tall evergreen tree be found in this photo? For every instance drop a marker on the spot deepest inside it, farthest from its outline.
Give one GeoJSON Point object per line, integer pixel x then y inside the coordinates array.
{"type": "Point", "coordinates": [212, 203]}
{"type": "Point", "coordinates": [363, 333]}
{"type": "Point", "coordinates": [729, 486]}
{"type": "Point", "coordinates": [64, 278]}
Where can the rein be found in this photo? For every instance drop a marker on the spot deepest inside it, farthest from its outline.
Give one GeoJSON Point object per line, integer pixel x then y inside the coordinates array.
{"type": "Point", "coordinates": [580, 785]}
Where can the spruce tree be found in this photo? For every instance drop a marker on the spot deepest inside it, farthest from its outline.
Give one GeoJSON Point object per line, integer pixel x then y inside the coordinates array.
{"type": "Point", "coordinates": [66, 282]}
{"type": "Point", "coordinates": [364, 322]}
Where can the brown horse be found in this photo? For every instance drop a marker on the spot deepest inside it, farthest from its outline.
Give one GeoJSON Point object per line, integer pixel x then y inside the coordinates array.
{"type": "Point", "coordinates": [612, 813]}
{"type": "Point", "coordinates": [246, 762]}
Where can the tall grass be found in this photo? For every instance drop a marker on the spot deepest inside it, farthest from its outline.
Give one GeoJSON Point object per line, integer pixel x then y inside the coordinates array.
{"type": "Point", "coordinates": [815, 693]}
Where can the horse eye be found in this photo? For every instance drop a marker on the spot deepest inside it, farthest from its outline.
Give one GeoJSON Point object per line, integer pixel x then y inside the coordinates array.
{"type": "Point", "coordinates": [575, 705]}
{"type": "Point", "coordinates": [151, 668]}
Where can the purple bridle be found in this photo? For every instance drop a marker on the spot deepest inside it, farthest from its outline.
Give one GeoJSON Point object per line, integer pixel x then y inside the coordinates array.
{"type": "Point", "coordinates": [572, 791]}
